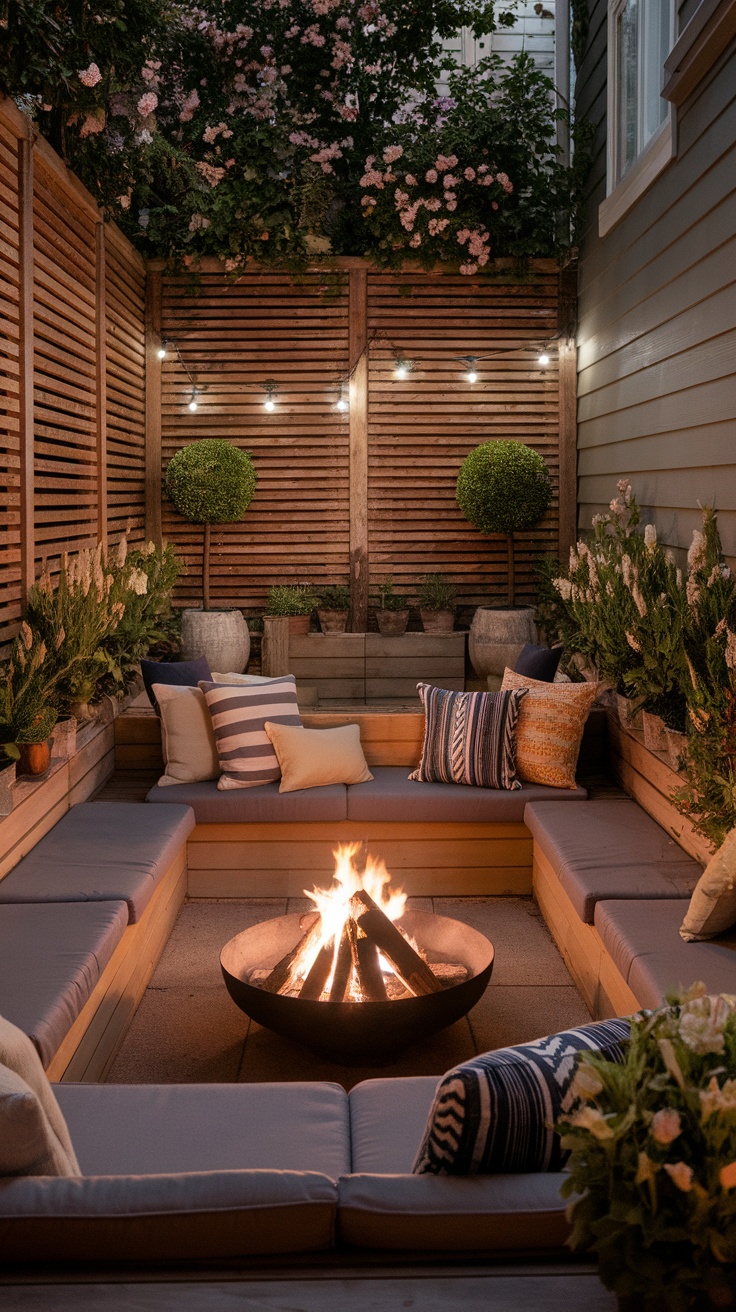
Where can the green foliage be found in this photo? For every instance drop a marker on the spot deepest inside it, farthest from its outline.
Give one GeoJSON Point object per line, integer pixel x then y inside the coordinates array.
{"type": "Point", "coordinates": [437, 593]}
{"type": "Point", "coordinates": [211, 481]}
{"type": "Point", "coordinates": [294, 599]}
{"type": "Point", "coordinates": [26, 713]}
{"type": "Point", "coordinates": [503, 487]}
{"type": "Point", "coordinates": [652, 1170]}
{"type": "Point", "coordinates": [241, 128]}
{"type": "Point", "coordinates": [387, 599]}
{"type": "Point", "coordinates": [145, 578]}
{"type": "Point", "coordinates": [335, 597]}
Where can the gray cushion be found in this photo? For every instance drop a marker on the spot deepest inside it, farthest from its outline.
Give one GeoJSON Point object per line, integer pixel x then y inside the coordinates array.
{"type": "Point", "coordinates": [643, 939]}
{"type": "Point", "coordinates": [256, 805]}
{"type": "Point", "coordinates": [159, 1129]}
{"type": "Point", "coordinates": [51, 957]}
{"type": "Point", "coordinates": [433, 1214]}
{"type": "Point", "coordinates": [155, 1218]}
{"type": "Point", "coordinates": [387, 1120]}
{"type": "Point", "coordinates": [391, 796]}
{"type": "Point", "coordinates": [613, 850]}
{"type": "Point", "coordinates": [101, 852]}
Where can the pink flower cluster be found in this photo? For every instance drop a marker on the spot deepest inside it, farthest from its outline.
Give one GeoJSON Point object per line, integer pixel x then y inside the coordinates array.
{"type": "Point", "coordinates": [89, 77]}
{"type": "Point", "coordinates": [147, 104]}
{"type": "Point", "coordinates": [210, 173]}
{"type": "Point", "coordinates": [211, 134]}
{"type": "Point", "coordinates": [190, 104]}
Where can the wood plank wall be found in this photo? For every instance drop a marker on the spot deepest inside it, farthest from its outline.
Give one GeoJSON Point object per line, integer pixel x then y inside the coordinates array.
{"type": "Point", "coordinates": [72, 368]}
{"type": "Point", "coordinates": [657, 316]}
{"type": "Point", "coordinates": [371, 492]}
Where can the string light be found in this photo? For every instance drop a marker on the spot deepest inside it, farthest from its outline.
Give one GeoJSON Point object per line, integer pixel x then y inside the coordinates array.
{"type": "Point", "coordinates": [543, 359]}
{"type": "Point", "coordinates": [471, 361]}
{"type": "Point", "coordinates": [271, 389]}
{"type": "Point", "coordinates": [402, 367]}
{"type": "Point", "coordinates": [193, 404]}
{"type": "Point", "coordinates": [164, 348]}
{"type": "Point", "coordinates": [342, 401]}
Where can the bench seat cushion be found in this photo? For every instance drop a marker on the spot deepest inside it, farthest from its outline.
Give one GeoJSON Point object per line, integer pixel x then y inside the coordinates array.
{"type": "Point", "coordinates": [643, 939]}
{"type": "Point", "coordinates": [51, 957]}
{"type": "Point", "coordinates": [101, 852]}
{"type": "Point", "coordinates": [393, 797]}
{"type": "Point", "coordinates": [207, 1127]}
{"type": "Point", "coordinates": [613, 850]}
{"type": "Point", "coordinates": [261, 805]}
{"type": "Point", "coordinates": [202, 1216]}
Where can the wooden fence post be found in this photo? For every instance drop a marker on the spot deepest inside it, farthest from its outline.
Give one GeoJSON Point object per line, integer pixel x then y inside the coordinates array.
{"type": "Point", "coordinates": [101, 379]}
{"type": "Point", "coordinates": [25, 364]}
{"type": "Point", "coordinates": [153, 407]}
{"type": "Point", "coordinates": [275, 649]}
{"type": "Point", "coordinates": [358, 364]}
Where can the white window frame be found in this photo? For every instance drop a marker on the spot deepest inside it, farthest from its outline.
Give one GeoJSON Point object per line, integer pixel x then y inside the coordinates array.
{"type": "Point", "coordinates": [655, 156]}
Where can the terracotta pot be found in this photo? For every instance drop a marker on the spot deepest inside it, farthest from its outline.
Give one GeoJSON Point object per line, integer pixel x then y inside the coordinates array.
{"type": "Point", "coordinates": [220, 635]}
{"type": "Point", "coordinates": [437, 621]}
{"type": "Point", "coordinates": [7, 779]}
{"type": "Point", "coordinates": [332, 621]}
{"type": "Point", "coordinates": [497, 636]}
{"type": "Point", "coordinates": [64, 738]}
{"type": "Point", "coordinates": [655, 734]}
{"type": "Point", "coordinates": [35, 758]}
{"type": "Point", "coordinates": [677, 748]}
{"type": "Point", "coordinates": [299, 625]}
{"type": "Point", "coordinates": [392, 623]}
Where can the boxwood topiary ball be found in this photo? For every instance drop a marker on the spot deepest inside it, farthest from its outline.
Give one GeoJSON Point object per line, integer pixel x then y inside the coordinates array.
{"type": "Point", "coordinates": [211, 481]}
{"type": "Point", "coordinates": [503, 487]}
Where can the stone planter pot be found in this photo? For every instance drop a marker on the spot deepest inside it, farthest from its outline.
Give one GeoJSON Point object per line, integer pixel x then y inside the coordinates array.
{"type": "Point", "coordinates": [7, 779]}
{"type": "Point", "coordinates": [497, 637]}
{"type": "Point", "coordinates": [677, 748]}
{"type": "Point", "coordinates": [332, 621]}
{"type": "Point", "coordinates": [35, 758]}
{"type": "Point", "coordinates": [437, 621]}
{"type": "Point", "coordinates": [220, 635]}
{"type": "Point", "coordinates": [83, 712]}
{"type": "Point", "coordinates": [655, 734]}
{"type": "Point", "coordinates": [64, 738]}
{"type": "Point", "coordinates": [299, 625]}
{"type": "Point", "coordinates": [392, 623]}
{"type": "Point", "coordinates": [629, 716]}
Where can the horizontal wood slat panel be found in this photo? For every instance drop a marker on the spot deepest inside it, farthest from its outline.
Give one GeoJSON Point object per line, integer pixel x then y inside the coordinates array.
{"type": "Point", "coordinates": [10, 509]}
{"type": "Point", "coordinates": [125, 290]}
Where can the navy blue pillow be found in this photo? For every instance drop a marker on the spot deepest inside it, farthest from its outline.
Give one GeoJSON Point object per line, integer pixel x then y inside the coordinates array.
{"type": "Point", "coordinates": [184, 674]}
{"type": "Point", "coordinates": [538, 662]}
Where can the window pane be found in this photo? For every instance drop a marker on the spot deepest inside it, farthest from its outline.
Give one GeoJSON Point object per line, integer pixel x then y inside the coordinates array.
{"type": "Point", "coordinates": [655, 48]}
{"type": "Point", "coordinates": [628, 49]}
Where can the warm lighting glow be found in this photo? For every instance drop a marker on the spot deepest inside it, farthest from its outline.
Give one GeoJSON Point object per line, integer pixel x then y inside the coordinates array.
{"type": "Point", "coordinates": [193, 405]}
{"type": "Point", "coordinates": [402, 367]}
{"type": "Point", "coordinates": [270, 389]}
{"type": "Point", "coordinates": [544, 358]}
{"type": "Point", "coordinates": [342, 400]}
{"type": "Point", "coordinates": [269, 404]}
{"type": "Point", "coordinates": [161, 352]}
{"type": "Point", "coordinates": [471, 376]}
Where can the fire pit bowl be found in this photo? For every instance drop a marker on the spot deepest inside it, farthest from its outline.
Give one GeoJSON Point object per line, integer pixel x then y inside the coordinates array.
{"type": "Point", "coordinates": [358, 1031]}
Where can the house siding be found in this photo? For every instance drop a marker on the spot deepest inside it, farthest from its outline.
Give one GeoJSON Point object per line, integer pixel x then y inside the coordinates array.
{"type": "Point", "coordinates": [657, 317]}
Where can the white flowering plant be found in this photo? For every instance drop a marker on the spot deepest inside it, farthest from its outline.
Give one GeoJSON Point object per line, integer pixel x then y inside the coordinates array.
{"type": "Point", "coordinates": [652, 1165]}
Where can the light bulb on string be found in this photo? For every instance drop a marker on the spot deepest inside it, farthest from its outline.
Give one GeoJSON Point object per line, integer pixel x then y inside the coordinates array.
{"type": "Point", "coordinates": [543, 359]}
{"type": "Point", "coordinates": [402, 367]}
{"type": "Point", "coordinates": [161, 352]}
{"type": "Point", "coordinates": [471, 372]}
{"type": "Point", "coordinates": [342, 403]}
{"type": "Point", "coordinates": [269, 403]}
{"type": "Point", "coordinates": [193, 404]}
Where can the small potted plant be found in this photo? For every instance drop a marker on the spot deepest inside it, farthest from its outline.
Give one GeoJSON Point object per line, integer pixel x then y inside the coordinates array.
{"type": "Point", "coordinates": [334, 608]}
{"type": "Point", "coordinates": [212, 482]}
{"type": "Point", "coordinates": [392, 611]}
{"type": "Point", "coordinates": [652, 1170]}
{"type": "Point", "coordinates": [27, 717]}
{"type": "Point", "coordinates": [437, 604]}
{"type": "Point", "coordinates": [297, 601]}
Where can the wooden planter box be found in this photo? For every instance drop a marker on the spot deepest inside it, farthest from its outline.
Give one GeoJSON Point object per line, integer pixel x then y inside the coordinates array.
{"type": "Point", "coordinates": [368, 667]}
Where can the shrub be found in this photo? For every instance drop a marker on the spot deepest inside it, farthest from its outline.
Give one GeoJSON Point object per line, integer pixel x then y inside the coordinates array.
{"type": "Point", "coordinates": [504, 487]}
{"type": "Point", "coordinates": [387, 599]}
{"type": "Point", "coordinates": [210, 482]}
{"type": "Point", "coordinates": [335, 597]}
{"type": "Point", "coordinates": [437, 593]}
{"type": "Point", "coordinates": [293, 599]}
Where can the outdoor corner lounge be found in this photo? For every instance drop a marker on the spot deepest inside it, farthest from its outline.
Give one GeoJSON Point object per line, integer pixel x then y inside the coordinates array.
{"type": "Point", "coordinates": [368, 659]}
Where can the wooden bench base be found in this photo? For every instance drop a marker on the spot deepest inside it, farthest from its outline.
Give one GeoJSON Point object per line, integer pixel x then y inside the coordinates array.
{"type": "Point", "coordinates": [93, 1040]}
{"type": "Point", "coordinates": [266, 860]}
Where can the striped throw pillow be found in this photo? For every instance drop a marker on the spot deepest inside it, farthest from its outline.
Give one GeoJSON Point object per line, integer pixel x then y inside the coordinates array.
{"type": "Point", "coordinates": [244, 749]}
{"type": "Point", "coordinates": [469, 738]}
{"type": "Point", "coordinates": [495, 1114]}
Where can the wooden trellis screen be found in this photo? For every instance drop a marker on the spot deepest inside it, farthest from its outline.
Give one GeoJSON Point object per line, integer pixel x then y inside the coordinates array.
{"type": "Point", "coordinates": [370, 492]}
{"type": "Point", "coordinates": [72, 368]}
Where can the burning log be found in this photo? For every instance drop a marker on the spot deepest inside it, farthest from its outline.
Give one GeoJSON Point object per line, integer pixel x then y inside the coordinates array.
{"type": "Point", "coordinates": [314, 984]}
{"type": "Point", "coordinates": [366, 964]}
{"type": "Point", "coordinates": [343, 967]}
{"type": "Point", "coordinates": [407, 963]}
{"type": "Point", "coordinates": [280, 978]}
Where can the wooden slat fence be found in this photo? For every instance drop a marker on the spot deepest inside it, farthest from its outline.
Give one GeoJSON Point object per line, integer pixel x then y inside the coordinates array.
{"type": "Point", "coordinates": [72, 368]}
{"type": "Point", "coordinates": [372, 492]}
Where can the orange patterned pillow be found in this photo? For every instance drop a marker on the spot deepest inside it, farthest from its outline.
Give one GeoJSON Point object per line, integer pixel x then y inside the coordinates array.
{"type": "Point", "coordinates": [550, 728]}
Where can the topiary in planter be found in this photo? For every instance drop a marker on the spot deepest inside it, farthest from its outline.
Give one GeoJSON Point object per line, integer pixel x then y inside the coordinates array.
{"type": "Point", "coordinates": [504, 487]}
{"type": "Point", "coordinates": [210, 482]}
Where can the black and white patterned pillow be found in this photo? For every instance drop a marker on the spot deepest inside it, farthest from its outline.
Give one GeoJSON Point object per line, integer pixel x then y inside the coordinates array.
{"type": "Point", "coordinates": [469, 737]}
{"type": "Point", "coordinates": [495, 1114]}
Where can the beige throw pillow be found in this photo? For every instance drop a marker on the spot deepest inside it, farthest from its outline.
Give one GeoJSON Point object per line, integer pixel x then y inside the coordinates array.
{"type": "Point", "coordinates": [34, 1139]}
{"type": "Point", "coordinates": [311, 758]}
{"type": "Point", "coordinates": [550, 728]}
{"type": "Point", "coordinates": [712, 907]}
{"type": "Point", "coordinates": [187, 737]}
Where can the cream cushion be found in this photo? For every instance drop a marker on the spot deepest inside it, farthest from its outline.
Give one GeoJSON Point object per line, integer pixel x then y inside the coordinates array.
{"type": "Point", "coordinates": [712, 907]}
{"type": "Point", "coordinates": [311, 758]}
{"type": "Point", "coordinates": [34, 1139]}
{"type": "Point", "coordinates": [550, 728]}
{"type": "Point", "coordinates": [187, 739]}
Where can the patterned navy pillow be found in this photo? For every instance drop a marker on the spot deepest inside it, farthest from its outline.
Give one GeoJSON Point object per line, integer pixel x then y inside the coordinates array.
{"type": "Point", "coordinates": [469, 738]}
{"type": "Point", "coordinates": [494, 1114]}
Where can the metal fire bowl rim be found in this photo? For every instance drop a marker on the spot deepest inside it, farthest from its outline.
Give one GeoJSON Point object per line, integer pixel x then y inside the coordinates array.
{"type": "Point", "coordinates": [366, 1032]}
